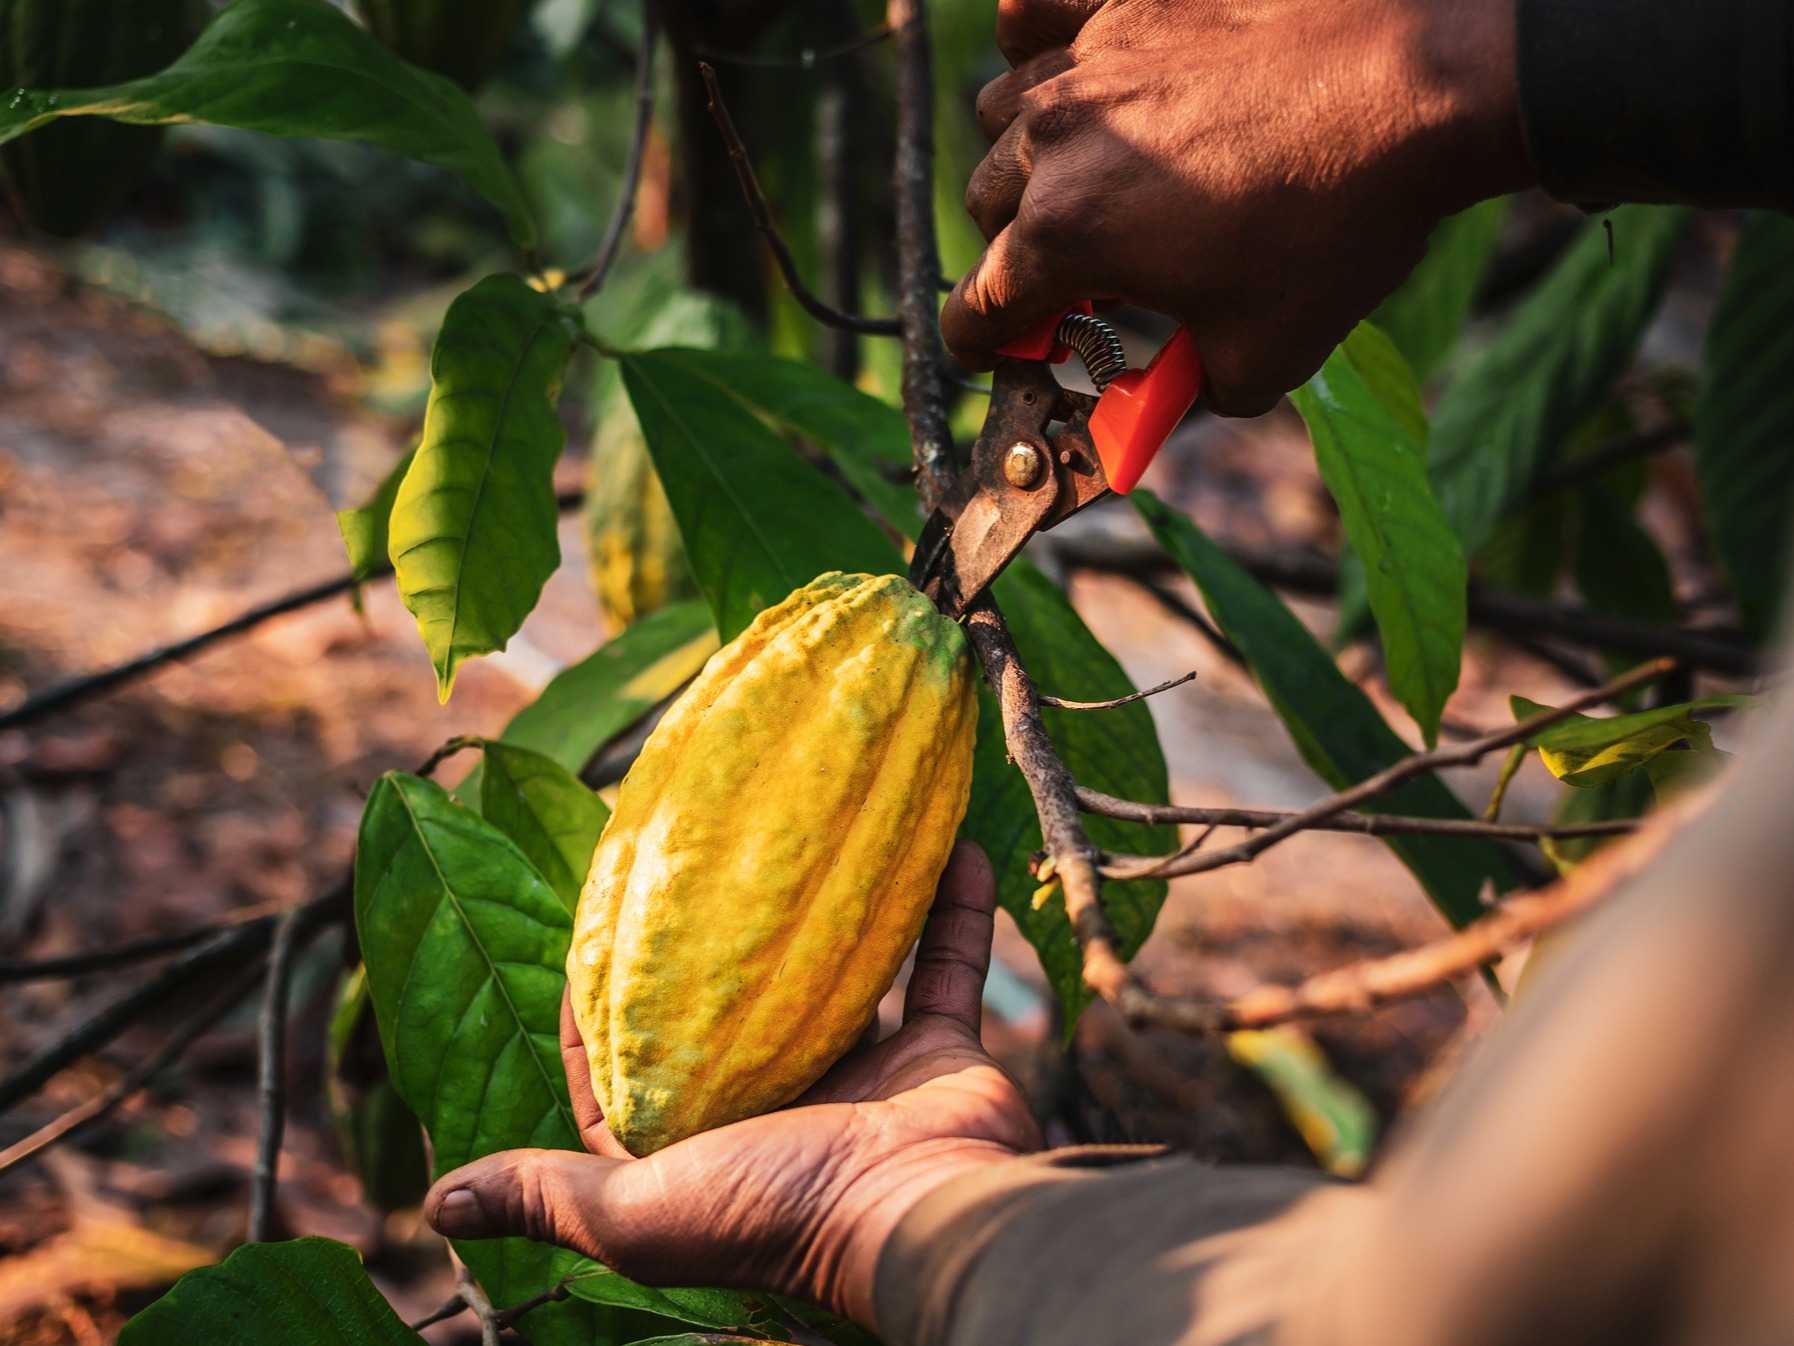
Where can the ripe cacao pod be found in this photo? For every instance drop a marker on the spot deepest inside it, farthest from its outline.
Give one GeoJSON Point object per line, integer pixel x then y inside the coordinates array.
{"type": "Point", "coordinates": [462, 39]}
{"type": "Point", "coordinates": [771, 858]}
{"type": "Point", "coordinates": [66, 176]}
{"type": "Point", "coordinates": [632, 543]}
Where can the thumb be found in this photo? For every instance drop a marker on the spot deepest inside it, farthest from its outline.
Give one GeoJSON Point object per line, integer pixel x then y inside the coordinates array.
{"type": "Point", "coordinates": [1009, 292]}
{"type": "Point", "coordinates": [551, 1196]}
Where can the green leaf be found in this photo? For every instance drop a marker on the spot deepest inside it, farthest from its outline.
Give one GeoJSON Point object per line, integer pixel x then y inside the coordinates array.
{"type": "Point", "coordinates": [1116, 751]}
{"type": "Point", "coordinates": [1619, 567]}
{"type": "Point", "coordinates": [705, 1308]}
{"type": "Point", "coordinates": [466, 949]}
{"type": "Point", "coordinates": [364, 528]}
{"type": "Point", "coordinates": [757, 521]}
{"type": "Point", "coordinates": [300, 1293]}
{"type": "Point", "coordinates": [588, 704]}
{"type": "Point", "coordinates": [1744, 420]}
{"type": "Point", "coordinates": [473, 526]}
{"type": "Point", "coordinates": [1363, 414]}
{"type": "Point", "coordinates": [1585, 752]}
{"type": "Point", "coordinates": [1332, 1115]}
{"type": "Point", "coordinates": [865, 437]}
{"type": "Point", "coordinates": [547, 810]}
{"type": "Point", "coordinates": [1548, 368]}
{"type": "Point", "coordinates": [1625, 796]}
{"type": "Point", "coordinates": [299, 68]}
{"type": "Point", "coordinates": [1426, 315]}
{"type": "Point", "coordinates": [1335, 727]}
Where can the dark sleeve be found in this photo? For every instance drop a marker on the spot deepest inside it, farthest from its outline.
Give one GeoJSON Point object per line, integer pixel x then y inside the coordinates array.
{"type": "Point", "coordinates": [1660, 100]}
{"type": "Point", "coordinates": [1099, 1245]}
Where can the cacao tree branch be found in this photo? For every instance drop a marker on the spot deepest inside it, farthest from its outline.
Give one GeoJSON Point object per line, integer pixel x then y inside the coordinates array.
{"type": "Point", "coordinates": [812, 303]}
{"type": "Point", "coordinates": [1367, 824]}
{"type": "Point", "coordinates": [80, 964]}
{"type": "Point", "coordinates": [918, 255]}
{"type": "Point", "coordinates": [624, 210]}
{"type": "Point", "coordinates": [83, 1115]}
{"type": "Point", "coordinates": [1060, 703]}
{"type": "Point", "coordinates": [1419, 764]}
{"type": "Point", "coordinates": [77, 691]}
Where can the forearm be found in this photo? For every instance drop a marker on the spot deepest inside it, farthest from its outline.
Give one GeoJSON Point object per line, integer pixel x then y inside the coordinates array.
{"type": "Point", "coordinates": [1660, 100]}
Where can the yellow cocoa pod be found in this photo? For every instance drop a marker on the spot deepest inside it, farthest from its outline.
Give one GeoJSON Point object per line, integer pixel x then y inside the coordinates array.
{"type": "Point", "coordinates": [771, 858]}
{"type": "Point", "coordinates": [632, 541]}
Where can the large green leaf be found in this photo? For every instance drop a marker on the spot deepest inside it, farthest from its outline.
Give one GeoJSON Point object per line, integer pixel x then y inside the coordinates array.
{"type": "Point", "coordinates": [866, 438]}
{"type": "Point", "coordinates": [757, 521]}
{"type": "Point", "coordinates": [1363, 414]}
{"type": "Point", "coordinates": [1426, 315]}
{"type": "Point", "coordinates": [1335, 727]}
{"type": "Point", "coordinates": [299, 68]}
{"type": "Point", "coordinates": [301, 1293]}
{"type": "Point", "coordinates": [466, 948]}
{"type": "Point", "coordinates": [472, 536]}
{"type": "Point", "coordinates": [1116, 751]}
{"type": "Point", "coordinates": [1548, 368]}
{"type": "Point", "coordinates": [1619, 566]}
{"type": "Point", "coordinates": [547, 810]}
{"type": "Point", "coordinates": [1744, 420]}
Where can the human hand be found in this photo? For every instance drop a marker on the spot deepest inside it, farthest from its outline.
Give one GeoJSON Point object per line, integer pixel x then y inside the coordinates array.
{"type": "Point", "coordinates": [1265, 171]}
{"type": "Point", "coordinates": [799, 1201]}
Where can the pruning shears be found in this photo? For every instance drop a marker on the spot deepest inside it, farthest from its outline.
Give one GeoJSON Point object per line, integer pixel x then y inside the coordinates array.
{"type": "Point", "coordinates": [1046, 452]}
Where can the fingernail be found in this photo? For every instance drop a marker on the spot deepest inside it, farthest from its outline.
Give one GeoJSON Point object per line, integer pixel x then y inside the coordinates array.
{"type": "Point", "coordinates": [459, 1215]}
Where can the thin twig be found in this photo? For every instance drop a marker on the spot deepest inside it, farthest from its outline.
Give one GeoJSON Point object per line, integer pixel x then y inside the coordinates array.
{"type": "Point", "coordinates": [452, 1307]}
{"type": "Point", "coordinates": [1060, 703]}
{"type": "Point", "coordinates": [1368, 824]}
{"type": "Point", "coordinates": [812, 303]}
{"type": "Point", "coordinates": [459, 743]}
{"type": "Point", "coordinates": [480, 1304]}
{"type": "Point", "coordinates": [229, 948]}
{"type": "Point", "coordinates": [1604, 458]}
{"type": "Point", "coordinates": [624, 210]}
{"type": "Point", "coordinates": [83, 1115]}
{"type": "Point", "coordinates": [925, 399]}
{"type": "Point", "coordinates": [1419, 764]}
{"type": "Point", "coordinates": [553, 1295]}
{"type": "Point", "coordinates": [296, 931]}
{"type": "Point", "coordinates": [1361, 987]}
{"type": "Point", "coordinates": [80, 964]}
{"type": "Point", "coordinates": [84, 688]}
{"type": "Point", "coordinates": [807, 58]}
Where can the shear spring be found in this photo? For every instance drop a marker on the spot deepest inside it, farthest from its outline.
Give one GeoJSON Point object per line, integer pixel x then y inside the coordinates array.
{"type": "Point", "coordinates": [1097, 346]}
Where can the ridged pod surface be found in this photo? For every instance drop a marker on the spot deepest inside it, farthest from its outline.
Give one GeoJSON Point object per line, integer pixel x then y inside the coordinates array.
{"type": "Point", "coordinates": [771, 858]}
{"type": "Point", "coordinates": [66, 176]}
{"type": "Point", "coordinates": [462, 39]}
{"type": "Point", "coordinates": [632, 542]}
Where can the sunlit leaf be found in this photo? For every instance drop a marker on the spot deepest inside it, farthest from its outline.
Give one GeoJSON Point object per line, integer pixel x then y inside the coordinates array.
{"type": "Point", "coordinates": [756, 519]}
{"type": "Point", "coordinates": [472, 536]}
{"type": "Point", "coordinates": [1363, 414]}
{"type": "Point", "coordinates": [547, 810]}
{"type": "Point", "coordinates": [364, 527]}
{"type": "Point", "coordinates": [1548, 368]}
{"type": "Point", "coordinates": [1744, 420]}
{"type": "Point", "coordinates": [1335, 727]}
{"type": "Point", "coordinates": [299, 1293]}
{"type": "Point", "coordinates": [299, 68]}
{"type": "Point", "coordinates": [1586, 751]}
{"type": "Point", "coordinates": [1426, 315]}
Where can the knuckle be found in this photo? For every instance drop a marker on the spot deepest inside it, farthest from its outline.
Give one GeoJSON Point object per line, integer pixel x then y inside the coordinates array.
{"type": "Point", "coordinates": [1055, 221]}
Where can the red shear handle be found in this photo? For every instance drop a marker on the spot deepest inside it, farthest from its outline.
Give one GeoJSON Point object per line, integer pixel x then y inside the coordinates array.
{"type": "Point", "coordinates": [1139, 409]}
{"type": "Point", "coordinates": [1043, 342]}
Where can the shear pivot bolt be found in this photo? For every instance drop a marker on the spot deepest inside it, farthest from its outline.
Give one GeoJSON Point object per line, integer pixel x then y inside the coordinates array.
{"type": "Point", "coordinates": [1022, 465]}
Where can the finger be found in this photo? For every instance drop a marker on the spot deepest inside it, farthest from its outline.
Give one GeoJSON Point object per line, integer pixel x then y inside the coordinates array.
{"type": "Point", "coordinates": [1000, 101]}
{"type": "Point", "coordinates": [1025, 28]}
{"type": "Point", "coordinates": [994, 193]}
{"type": "Point", "coordinates": [588, 1113]}
{"type": "Point", "coordinates": [551, 1196]}
{"type": "Point", "coordinates": [1013, 288]}
{"type": "Point", "coordinates": [954, 953]}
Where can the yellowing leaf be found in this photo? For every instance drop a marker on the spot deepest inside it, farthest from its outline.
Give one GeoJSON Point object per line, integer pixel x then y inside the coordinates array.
{"type": "Point", "coordinates": [1585, 752]}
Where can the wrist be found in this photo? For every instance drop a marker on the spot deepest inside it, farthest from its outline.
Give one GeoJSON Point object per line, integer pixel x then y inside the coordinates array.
{"type": "Point", "coordinates": [1467, 69]}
